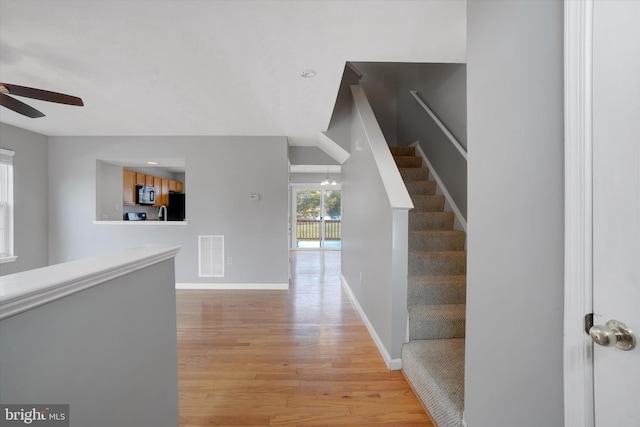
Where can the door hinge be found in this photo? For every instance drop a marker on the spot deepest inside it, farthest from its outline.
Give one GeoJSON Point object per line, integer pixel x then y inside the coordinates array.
{"type": "Point", "coordinates": [588, 322]}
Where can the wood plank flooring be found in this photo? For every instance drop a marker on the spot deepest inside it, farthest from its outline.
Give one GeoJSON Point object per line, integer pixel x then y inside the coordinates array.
{"type": "Point", "coordinates": [300, 357]}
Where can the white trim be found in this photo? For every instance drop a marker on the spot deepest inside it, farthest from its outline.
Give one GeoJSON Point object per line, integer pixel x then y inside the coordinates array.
{"type": "Point", "coordinates": [7, 152]}
{"type": "Point", "coordinates": [314, 186]}
{"type": "Point", "coordinates": [315, 169]}
{"type": "Point", "coordinates": [30, 289]}
{"type": "Point", "coordinates": [447, 195]}
{"type": "Point", "coordinates": [8, 259]}
{"type": "Point", "coordinates": [235, 286]}
{"type": "Point", "coordinates": [392, 364]}
{"type": "Point", "coordinates": [578, 294]}
{"type": "Point", "coordinates": [332, 148]}
{"type": "Point", "coordinates": [444, 129]}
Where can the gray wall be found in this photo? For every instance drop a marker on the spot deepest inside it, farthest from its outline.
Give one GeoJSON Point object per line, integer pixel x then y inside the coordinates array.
{"type": "Point", "coordinates": [379, 83]}
{"type": "Point", "coordinates": [109, 352]}
{"type": "Point", "coordinates": [221, 173]}
{"type": "Point", "coordinates": [514, 350]}
{"type": "Point", "coordinates": [30, 194]}
{"type": "Point", "coordinates": [108, 192]}
{"type": "Point", "coordinates": [443, 87]}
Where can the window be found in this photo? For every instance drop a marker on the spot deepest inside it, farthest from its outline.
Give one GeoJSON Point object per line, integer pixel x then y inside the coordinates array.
{"type": "Point", "coordinates": [6, 206]}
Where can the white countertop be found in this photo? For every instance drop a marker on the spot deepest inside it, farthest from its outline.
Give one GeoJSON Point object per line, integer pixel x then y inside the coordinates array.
{"type": "Point", "coordinates": [147, 222]}
{"type": "Point", "coordinates": [23, 291]}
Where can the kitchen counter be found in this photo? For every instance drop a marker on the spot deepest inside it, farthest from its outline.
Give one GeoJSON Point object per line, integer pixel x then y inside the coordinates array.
{"type": "Point", "coordinates": [147, 222]}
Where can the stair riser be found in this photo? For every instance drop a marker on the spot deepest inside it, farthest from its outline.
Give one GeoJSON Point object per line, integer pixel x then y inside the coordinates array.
{"type": "Point", "coordinates": [430, 221]}
{"type": "Point", "coordinates": [436, 322]}
{"type": "Point", "coordinates": [438, 264]}
{"type": "Point", "coordinates": [408, 161]}
{"type": "Point", "coordinates": [422, 294]}
{"type": "Point", "coordinates": [421, 188]}
{"type": "Point", "coordinates": [414, 174]}
{"type": "Point", "coordinates": [441, 330]}
{"type": "Point", "coordinates": [428, 203]}
{"type": "Point", "coordinates": [403, 151]}
{"type": "Point", "coordinates": [432, 242]}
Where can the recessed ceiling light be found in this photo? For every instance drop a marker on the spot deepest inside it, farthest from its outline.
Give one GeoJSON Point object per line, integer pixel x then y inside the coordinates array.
{"type": "Point", "coordinates": [152, 163]}
{"type": "Point", "coordinates": [307, 74]}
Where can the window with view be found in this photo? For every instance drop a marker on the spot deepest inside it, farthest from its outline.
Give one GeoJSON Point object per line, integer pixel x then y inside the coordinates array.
{"type": "Point", "coordinates": [6, 205]}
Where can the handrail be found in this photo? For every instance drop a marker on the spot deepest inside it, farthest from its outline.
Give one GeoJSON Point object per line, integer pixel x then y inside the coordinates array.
{"type": "Point", "coordinates": [444, 129]}
{"type": "Point", "coordinates": [393, 184]}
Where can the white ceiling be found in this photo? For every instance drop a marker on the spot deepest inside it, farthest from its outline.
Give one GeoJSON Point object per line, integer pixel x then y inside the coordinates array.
{"type": "Point", "coordinates": [209, 67]}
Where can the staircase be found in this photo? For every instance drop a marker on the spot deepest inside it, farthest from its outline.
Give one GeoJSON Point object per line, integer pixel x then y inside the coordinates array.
{"type": "Point", "coordinates": [433, 359]}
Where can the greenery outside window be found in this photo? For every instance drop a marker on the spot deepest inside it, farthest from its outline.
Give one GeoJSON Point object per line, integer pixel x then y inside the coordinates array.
{"type": "Point", "coordinates": [6, 206]}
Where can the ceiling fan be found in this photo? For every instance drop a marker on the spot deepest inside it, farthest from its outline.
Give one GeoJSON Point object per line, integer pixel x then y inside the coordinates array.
{"type": "Point", "coordinates": [29, 92]}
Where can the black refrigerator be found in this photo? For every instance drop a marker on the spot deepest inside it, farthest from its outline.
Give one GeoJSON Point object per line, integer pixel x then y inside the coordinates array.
{"type": "Point", "coordinates": [175, 210]}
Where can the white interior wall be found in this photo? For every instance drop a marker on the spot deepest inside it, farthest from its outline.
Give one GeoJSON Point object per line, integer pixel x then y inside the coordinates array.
{"type": "Point", "coordinates": [515, 274]}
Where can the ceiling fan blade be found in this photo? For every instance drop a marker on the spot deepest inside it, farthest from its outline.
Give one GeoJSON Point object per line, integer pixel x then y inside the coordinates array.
{"type": "Point", "coordinates": [19, 106]}
{"type": "Point", "coordinates": [43, 95]}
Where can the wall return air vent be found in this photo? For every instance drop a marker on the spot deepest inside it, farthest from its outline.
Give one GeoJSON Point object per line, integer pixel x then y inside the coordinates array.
{"type": "Point", "coordinates": [211, 256]}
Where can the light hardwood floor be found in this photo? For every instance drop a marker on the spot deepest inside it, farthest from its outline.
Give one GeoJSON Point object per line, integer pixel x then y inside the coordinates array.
{"type": "Point", "coordinates": [300, 357]}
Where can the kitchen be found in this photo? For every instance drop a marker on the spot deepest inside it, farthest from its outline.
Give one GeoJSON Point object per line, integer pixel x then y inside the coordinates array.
{"type": "Point", "coordinates": [140, 190]}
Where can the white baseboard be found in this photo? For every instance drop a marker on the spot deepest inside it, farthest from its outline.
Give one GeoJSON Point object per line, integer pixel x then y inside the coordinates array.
{"type": "Point", "coordinates": [235, 286]}
{"type": "Point", "coordinates": [392, 364]}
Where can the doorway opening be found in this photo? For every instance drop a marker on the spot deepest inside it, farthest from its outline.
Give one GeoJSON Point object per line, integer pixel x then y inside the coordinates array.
{"type": "Point", "coordinates": [317, 213]}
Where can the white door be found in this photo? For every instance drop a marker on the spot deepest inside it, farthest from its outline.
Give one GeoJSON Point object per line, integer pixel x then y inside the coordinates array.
{"type": "Point", "coordinates": [616, 205]}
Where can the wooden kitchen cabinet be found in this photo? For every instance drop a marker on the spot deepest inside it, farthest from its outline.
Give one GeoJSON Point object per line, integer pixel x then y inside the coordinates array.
{"type": "Point", "coordinates": [164, 191]}
{"type": "Point", "coordinates": [176, 186]}
{"type": "Point", "coordinates": [128, 187]}
{"type": "Point", "coordinates": [149, 180]}
{"type": "Point", "coordinates": [141, 179]}
{"type": "Point", "coordinates": [157, 184]}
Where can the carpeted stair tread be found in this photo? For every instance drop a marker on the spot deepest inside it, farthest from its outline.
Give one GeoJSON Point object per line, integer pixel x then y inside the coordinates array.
{"type": "Point", "coordinates": [414, 174]}
{"type": "Point", "coordinates": [408, 161]}
{"type": "Point", "coordinates": [433, 359]}
{"type": "Point", "coordinates": [405, 150]}
{"type": "Point", "coordinates": [436, 321]}
{"type": "Point", "coordinates": [430, 220]}
{"type": "Point", "coordinates": [436, 240]}
{"type": "Point", "coordinates": [435, 369]}
{"type": "Point", "coordinates": [437, 263]}
{"type": "Point", "coordinates": [421, 188]}
{"type": "Point", "coordinates": [449, 289]}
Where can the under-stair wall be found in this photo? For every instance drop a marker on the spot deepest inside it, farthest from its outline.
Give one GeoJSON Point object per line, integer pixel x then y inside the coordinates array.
{"type": "Point", "coordinates": [374, 232]}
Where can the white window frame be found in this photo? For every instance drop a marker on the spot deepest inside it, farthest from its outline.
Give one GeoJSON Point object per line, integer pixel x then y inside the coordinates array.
{"type": "Point", "coordinates": [6, 198]}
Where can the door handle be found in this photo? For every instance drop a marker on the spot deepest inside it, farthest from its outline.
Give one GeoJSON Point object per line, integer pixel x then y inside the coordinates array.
{"type": "Point", "coordinates": [613, 333]}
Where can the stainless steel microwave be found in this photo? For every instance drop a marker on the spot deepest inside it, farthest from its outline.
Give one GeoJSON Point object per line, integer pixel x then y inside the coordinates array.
{"type": "Point", "coordinates": [146, 195]}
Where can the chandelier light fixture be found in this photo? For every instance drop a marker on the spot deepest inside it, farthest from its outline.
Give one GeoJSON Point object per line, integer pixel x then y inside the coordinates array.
{"type": "Point", "coordinates": [328, 181]}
